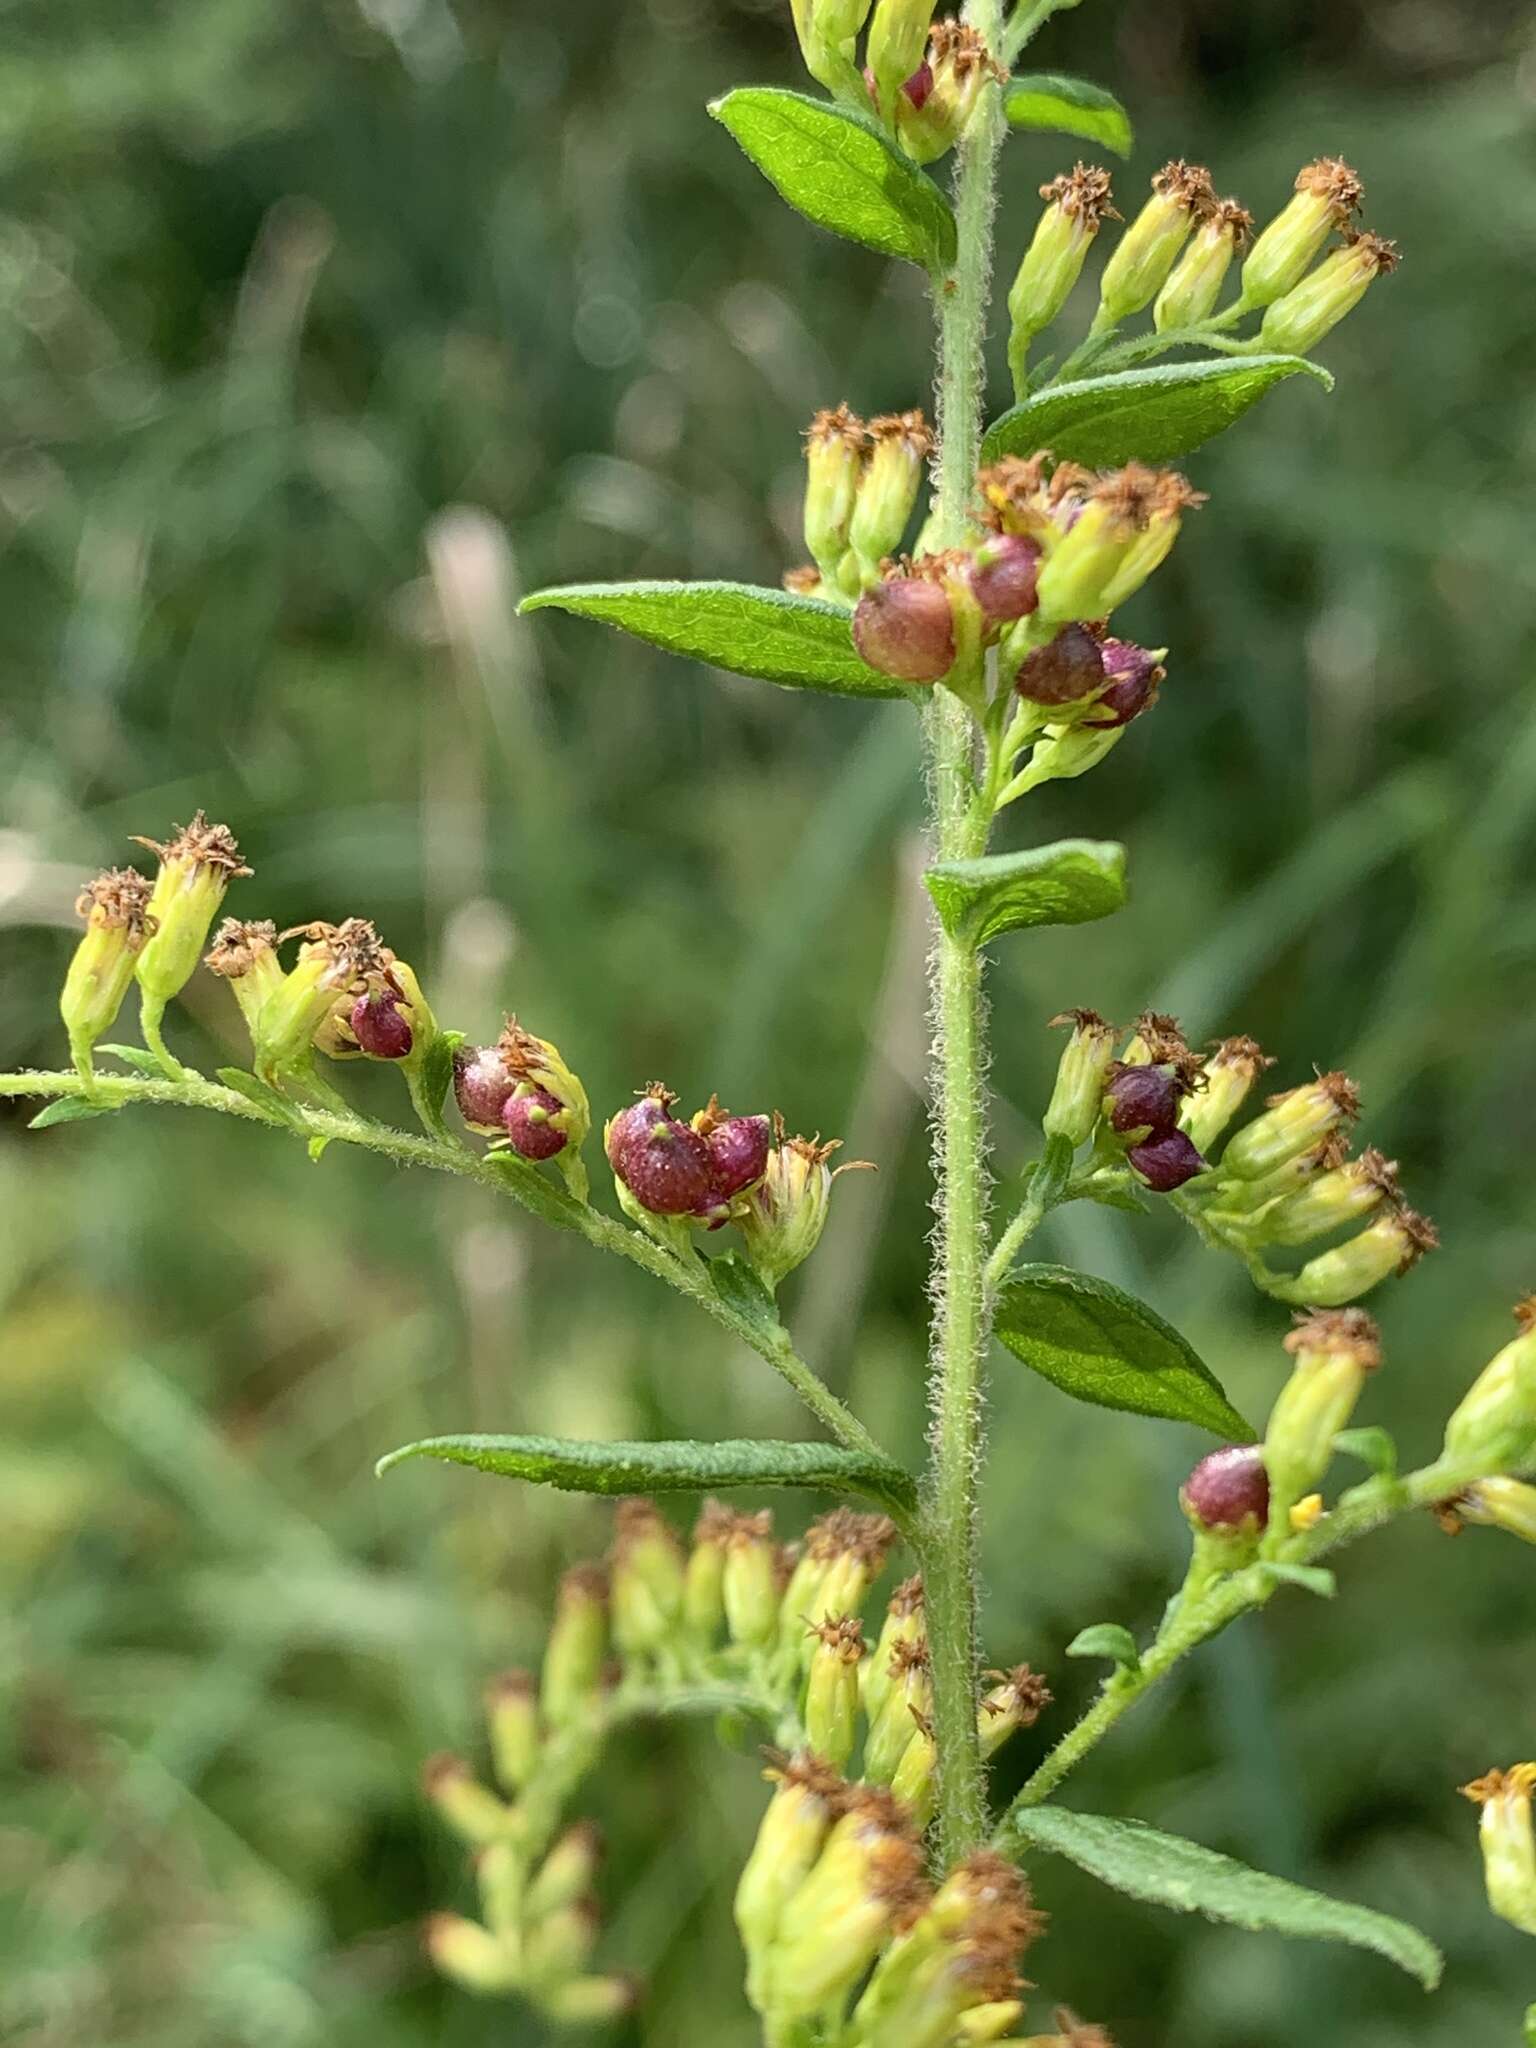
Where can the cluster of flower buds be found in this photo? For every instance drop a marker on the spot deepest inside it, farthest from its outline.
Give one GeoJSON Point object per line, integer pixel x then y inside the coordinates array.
{"type": "Point", "coordinates": [1283, 1181]}
{"type": "Point", "coordinates": [922, 77]}
{"type": "Point", "coordinates": [520, 1093]}
{"type": "Point", "coordinates": [1175, 255]}
{"type": "Point", "coordinates": [1508, 1841]}
{"type": "Point", "coordinates": [152, 933]}
{"type": "Point", "coordinates": [862, 483]}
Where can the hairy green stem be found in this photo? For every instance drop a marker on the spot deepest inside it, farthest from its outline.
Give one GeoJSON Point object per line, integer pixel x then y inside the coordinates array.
{"type": "Point", "coordinates": [948, 1546]}
{"type": "Point", "coordinates": [500, 1171]}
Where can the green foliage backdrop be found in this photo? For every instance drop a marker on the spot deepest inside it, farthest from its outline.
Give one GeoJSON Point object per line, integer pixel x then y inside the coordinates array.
{"type": "Point", "coordinates": [324, 332]}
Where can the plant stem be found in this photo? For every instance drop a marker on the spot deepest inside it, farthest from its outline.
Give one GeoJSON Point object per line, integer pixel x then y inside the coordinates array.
{"type": "Point", "coordinates": [768, 1338]}
{"type": "Point", "coordinates": [948, 1545]}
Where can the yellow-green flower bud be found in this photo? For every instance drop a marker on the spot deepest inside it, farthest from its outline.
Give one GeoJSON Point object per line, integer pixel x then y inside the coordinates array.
{"type": "Point", "coordinates": [867, 1878]}
{"type": "Point", "coordinates": [1293, 1123]}
{"type": "Point", "coordinates": [1077, 205]}
{"type": "Point", "coordinates": [470, 1808]}
{"type": "Point", "coordinates": [1508, 1842]}
{"type": "Point", "coordinates": [591, 2001]}
{"type": "Point", "coordinates": [900, 444]}
{"type": "Point", "coordinates": [568, 1870]}
{"type": "Point", "coordinates": [914, 1780]}
{"type": "Point", "coordinates": [836, 446]}
{"type": "Point", "coordinates": [807, 1799]}
{"type": "Point", "coordinates": [1393, 1243]}
{"type": "Point", "coordinates": [988, 2022]}
{"type": "Point", "coordinates": [1344, 1194]}
{"type": "Point", "coordinates": [512, 1717]}
{"type": "Point", "coordinates": [704, 1574]}
{"type": "Point", "coordinates": [1495, 1424]}
{"type": "Point", "coordinates": [470, 1955]}
{"type": "Point", "coordinates": [1499, 1503]}
{"type": "Point", "coordinates": [1328, 192]}
{"type": "Point", "coordinates": [1084, 1067]}
{"type": "Point", "coordinates": [245, 955]}
{"type": "Point", "coordinates": [898, 38]}
{"type": "Point", "coordinates": [1225, 1079]}
{"type": "Point", "coordinates": [115, 907]}
{"type": "Point", "coordinates": [1016, 1701]}
{"type": "Point", "coordinates": [908, 1701]}
{"type": "Point", "coordinates": [903, 1623]}
{"type": "Point", "coordinates": [827, 31]}
{"type": "Point", "coordinates": [336, 960]}
{"type": "Point", "coordinates": [196, 866]}
{"type": "Point", "coordinates": [1335, 1352]}
{"type": "Point", "coordinates": [645, 1579]}
{"type": "Point", "coordinates": [750, 1584]}
{"type": "Point", "coordinates": [1125, 529]}
{"type": "Point", "coordinates": [1195, 282]}
{"type": "Point", "coordinates": [558, 1946]}
{"type": "Point", "coordinates": [578, 1645]}
{"type": "Point", "coordinates": [934, 106]}
{"type": "Point", "coordinates": [1314, 307]}
{"type": "Point", "coordinates": [832, 1688]}
{"type": "Point", "coordinates": [953, 1977]}
{"type": "Point", "coordinates": [1181, 195]}
{"type": "Point", "coordinates": [782, 1218]}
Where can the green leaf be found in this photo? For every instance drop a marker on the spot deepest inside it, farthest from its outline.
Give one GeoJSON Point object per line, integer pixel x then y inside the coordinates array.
{"type": "Point", "coordinates": [266, 1098]}
{"type": "Point", "coordinates": [1069, 106]}
{"type": "Point", "coordinates": [1100, 1344]}
{"type": "Point", "coordinates": [1166, 1870]}
{"type": "Point", "coordinates": [1072, 882]}
{"type": "Point", "coordinates": [551, 1204]}
{"type": "Point", "coordinates": [317, 1147]}
{"type": "Point", "coordinates": [801, 642]}
{"type": "Point", "coordinates": [1311, 1578]}
{"type": "Point", "coordinates": [842, 171]}
{"type": "Point", "coordinates": [135, 1056]}
{"type": "Point", "coordinates": [1107, 1639]}
{"type": "Point", "coordinates": [675, 1467]}
{"type": "Point", "coordinates": [743, 1292]}
{"type": "Point", "coordinates": [1143, 415]}
{"type": "Point", "coordinates": [72, 1109]}
{"type": "Point", "coordinates": [1373, 1446]}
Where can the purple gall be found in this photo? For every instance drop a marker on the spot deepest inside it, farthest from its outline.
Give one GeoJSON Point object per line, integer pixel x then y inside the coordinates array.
{"type": "Point", "coordinates": [738, 1148]}
{"type": "Point", "coordinates": [1134, 676]}
{"type": "Point", "coordinates": [482, 1087]}
{"type": "Point", "coordinates": [664, 1164]}
{"type": "Point", "coordinates": [1167, 1162]}
{"type": "Point", "coordinates": [1003, 576]}
{"type": "Point", "coordinates": [1064, 671]}
{"type": "Point", "coordinates": [1228, 1490]}
{"type": "Point", "coordinates": [919, 87]}
{"type": "Point", "coordinates": [381, 1027]}
{"type": "Point", "coordinates": [904, 626]}
{"type": "Point", "coordinates": [527, 1117]}
{"type": "Point", "coordinates": [1143, 1099]}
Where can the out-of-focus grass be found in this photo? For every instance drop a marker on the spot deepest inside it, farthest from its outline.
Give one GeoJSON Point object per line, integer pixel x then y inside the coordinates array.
{"type": "Point", "coordinates": [323, 333]}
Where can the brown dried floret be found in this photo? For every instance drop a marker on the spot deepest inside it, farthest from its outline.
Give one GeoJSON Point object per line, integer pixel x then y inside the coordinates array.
{"type": "Point", "coordinates": [119, 898]}
{"type": "Point", "coordinates": [843, 1532]}
{"type": "Point", "coordinates": [1418, 1235]}
{"type": "Point", "coordinates": [842, 1634]}
{"type": "Point", "coordinates": [210, 846]}
{"type": "Point", "coordinates": [907, 1599]}
{"type": "Point", "coordinates": [1518, 1782]}
{"type": "Point", "coordinates": [1348, 1330]}
{"type": "Point", "coordinates": [1021, 1691]}
{"type": "Point", "coordinates": [909, 1653]}
{"type": "Point", "coordinates": [803, 581]}
{"type": "Point", "coordinates": [839, 423]}
{"type": "Point", "coordinates": [908, 427]}
{"type": "Point", "coordinates": [237, 947]}
{"type": "Point", "coordinates": [963, 50]}
{"type": "Point", "coordinates": [1382, 256]}
{"type": "Point", "coordinates": [1239, 1052]}
{"type": "Point", "coordinates": [1330, 178]}
{"type": "Point", "coordinates": [1233, 219]}
{"type": "Point", "coordinates": [1084, 193]}
{"type": "Point", "coordinates": [1189, 185]}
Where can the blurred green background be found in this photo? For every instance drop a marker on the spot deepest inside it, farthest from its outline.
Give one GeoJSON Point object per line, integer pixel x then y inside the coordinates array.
{"type": "Point", "coordinates": [324, 331]}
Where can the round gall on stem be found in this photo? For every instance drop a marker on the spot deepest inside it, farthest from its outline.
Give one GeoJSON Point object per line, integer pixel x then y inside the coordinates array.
{"type": "Point", "coordinates": [1229, 1489]}
{"type": "Point", "coordinates": [904, 626]}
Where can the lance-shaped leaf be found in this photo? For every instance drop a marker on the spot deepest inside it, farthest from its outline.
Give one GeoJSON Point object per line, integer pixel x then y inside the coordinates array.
{"type": "Point", "coordinates": [668, 1467]}
{"type": "Point", "coordinates": [1143, 415]}
{"type": "Point", "coordinates": [1095, 1341]}
{"type": "Point", "coordinates": [1071, 882]}
{"type": "Point", "coordinates": [70, 1109]}
{"type": "Point", "coordinates": [1167, 1870]}
{"type": "Point", "coordinates": [841, 171]}
{"type": "Point", "coordinates": [1069, 106]}
{"type": "Point", "coordinates": [801, 642]}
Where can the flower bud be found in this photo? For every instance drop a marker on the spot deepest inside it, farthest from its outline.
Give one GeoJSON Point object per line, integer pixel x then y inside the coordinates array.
{"type": "Point", "coordinates": [115, 907]}
{"type": "Point", "coordinates": [904, 626]}
{"type": "Point", "coordinates": [470, 1955]}
{"type": "Point", "coordinates": [750, 1584]}
{"type": "Point", "coordinates": [1228, 1490]}
{"type": "Point", "coordinates": [1343, 1194]}
{"type": "Point", "coordinates": [807, 1799]}
{"type": "Point", "coordinates": [1064, 752]}
{"type": "Point", "coordinates": [245, 955]}
{"type": "Point", "coordinates": [898, 38]}
{"type": "Point", "coordinates": [828, 31]}
{"type": "Point", "coordinates": [704, 1573]}
{"type": "Point", "coordinates": [900, 444]}
{"type": "Point", "coordinates": [1335, 1352]}
{"type": "Point", "coordinates": [1293, 1123]}
{"type": "Point", "coordinates": [1127, 525]}
{"type": "Point", "coordinates": [336, 963]}
{"type": "Point", "coordinates": [645, 1578]}
{"type": "Point", "coordinates": [578, 1646]}
{"type": "Point", "coordinates": [784, 1215]}
{"type": "Point", "coordinates": [1165, 1163]}
{"type": "Point", "coordinates": [1500, 1503]}
{"type": "Point", "coordinates": [591, 2001]}
{"type": "Point", "coordinates": [1194, 286]}
{"type": "Point", "coordinates": [197, 865]}
{"type": "Point", "coordinates": [1136, 271]}
{"type": "Point", "coordinates": [867, 1880]}
{"type": "Point", "coordinates": [558, 1946]}
{"type": "Point", "coordinates": [1393, 1243]}
{"type": "Point", "coordinates": [512, 1717]}
{"type": "Point", "coordinates": [1327, 193]}
{"type": "Point", "coordinates": [958, 1961]}
{"type": "Point", "coordinates": [934, 106]}
{"type": "Point", "coordinates": [1066, 670]}
{"type": "Point", "coordinates": [913, 1784]}
{"type": "Point", "coordinates": [835, 446]}
{"type": "Point", "coordinates": [567, 1872]}
{"type": "Point", "coordinates": [1495, 1424]}
{"type": "Point", "coordinates": [1313, 308]}
{"type": "Point", "coordinates": [1227, 1076]}
{"type": "Point", "coordinates": [1073, 1109]}
{"type": "Point", "coordinates": [832, 1688]}
{"type": "Point", "coordinates": [1016, 1701]}
{"type": "Point", "coordinates": [664, 1164]}
{"type": "Point", "coordinates": [469, 1807]}
{"type": "Point", "coordinates": [1508, 1842]}
{"type": "Point", "coordinates": [1135, 675]}
{"type": "Point", "coordinates": [909, 1693]}
{"type": "Point", "coordinates": [1077, 204]}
